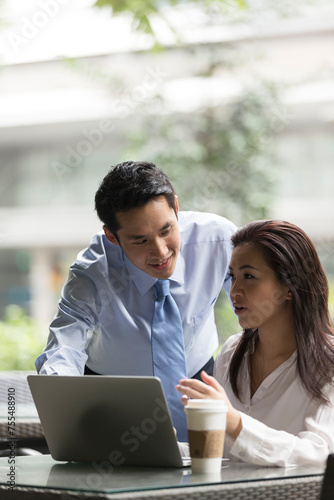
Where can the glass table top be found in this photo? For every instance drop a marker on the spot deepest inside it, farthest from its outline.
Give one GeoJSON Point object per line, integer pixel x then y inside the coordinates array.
{"type": "Point", "coordinates": [43, 472]}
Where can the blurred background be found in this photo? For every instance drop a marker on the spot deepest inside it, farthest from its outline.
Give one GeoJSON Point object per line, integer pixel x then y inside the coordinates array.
{"type": "Point", "coordinates": [233, 99]}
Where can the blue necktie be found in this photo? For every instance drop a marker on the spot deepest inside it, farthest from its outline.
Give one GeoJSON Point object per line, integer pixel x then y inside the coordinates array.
{"type": "Point", "coordinates": [168, 353]}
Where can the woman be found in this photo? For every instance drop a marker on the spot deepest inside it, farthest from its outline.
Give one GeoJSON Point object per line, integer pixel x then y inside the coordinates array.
{"type": "Point", "coordinates": [277, 376]}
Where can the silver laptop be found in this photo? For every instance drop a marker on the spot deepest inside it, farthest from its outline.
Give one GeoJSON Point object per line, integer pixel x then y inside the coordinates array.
{"type": "Point", "coordinates": [123, 420]}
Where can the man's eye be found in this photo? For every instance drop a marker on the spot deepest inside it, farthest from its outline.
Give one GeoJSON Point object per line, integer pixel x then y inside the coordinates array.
{"type": "Point", "coordinates": [167, 231]}
{"type": "Point", "coordinates": [139, 242]}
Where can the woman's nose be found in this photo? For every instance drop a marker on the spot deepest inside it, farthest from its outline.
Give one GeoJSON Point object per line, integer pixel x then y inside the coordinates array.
{"type": "Point", "coordinates": [235, 290]}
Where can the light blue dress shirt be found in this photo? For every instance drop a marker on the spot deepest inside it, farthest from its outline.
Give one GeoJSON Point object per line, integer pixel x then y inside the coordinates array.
{"type": "Point", "coordinates": [105, 313]}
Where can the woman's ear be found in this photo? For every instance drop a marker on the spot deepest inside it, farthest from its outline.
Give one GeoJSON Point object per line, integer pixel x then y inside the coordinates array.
{"type": "Point", "coordinates": [289, 295]}
{"type": "Point", "coordinates": [110, 236]}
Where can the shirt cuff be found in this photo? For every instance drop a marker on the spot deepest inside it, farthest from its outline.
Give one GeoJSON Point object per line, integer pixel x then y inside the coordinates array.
{"type": "Point", "coordinates": [184, 449]}
{"type": "Point", "coordinates": [261, 445]}
{"type": "Point", "coordinates": [249, 441]}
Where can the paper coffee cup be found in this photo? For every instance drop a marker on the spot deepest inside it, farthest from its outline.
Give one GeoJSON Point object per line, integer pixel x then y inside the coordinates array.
{"type": "Point", "coordinates": [206, 420]}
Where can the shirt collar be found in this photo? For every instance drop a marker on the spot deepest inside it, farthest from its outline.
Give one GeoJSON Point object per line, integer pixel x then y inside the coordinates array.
{"type": "Point", "coordinates": [144, 281]}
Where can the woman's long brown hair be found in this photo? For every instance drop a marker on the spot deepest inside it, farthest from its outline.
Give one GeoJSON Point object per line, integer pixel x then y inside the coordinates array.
{"type": "Point", "coordinates": [291, 255]}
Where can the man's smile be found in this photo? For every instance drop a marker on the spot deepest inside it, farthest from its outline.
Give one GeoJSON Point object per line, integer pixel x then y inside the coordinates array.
{"type": "Point", "coordinates": [162, 264]}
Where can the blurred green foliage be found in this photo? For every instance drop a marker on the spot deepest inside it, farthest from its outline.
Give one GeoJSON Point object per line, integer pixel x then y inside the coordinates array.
{"type": "Point", "coordinates": [220, 159]}
{"type": "Point", "coordinates": [21, 340]}
{"type": "Point", "coordinates": [226, 321]}
{"type": "Point", "coordinates": [142, 10]}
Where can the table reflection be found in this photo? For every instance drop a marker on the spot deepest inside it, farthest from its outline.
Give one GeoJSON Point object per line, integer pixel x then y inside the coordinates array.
{"type": "Point", "coordinates": [43, 472]}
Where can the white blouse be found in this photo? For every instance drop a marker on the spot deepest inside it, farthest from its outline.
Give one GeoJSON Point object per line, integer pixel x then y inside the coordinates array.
{"type": "Point", "coordinates": [281, 424]}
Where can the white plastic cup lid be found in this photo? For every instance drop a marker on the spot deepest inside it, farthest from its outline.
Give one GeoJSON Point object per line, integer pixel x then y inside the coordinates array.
{"type": "Point", "coordinates": [207, 404]}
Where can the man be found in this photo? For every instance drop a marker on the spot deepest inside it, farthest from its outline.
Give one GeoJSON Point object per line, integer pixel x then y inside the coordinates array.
{"type": "Point", "coordinates": [111, 319]}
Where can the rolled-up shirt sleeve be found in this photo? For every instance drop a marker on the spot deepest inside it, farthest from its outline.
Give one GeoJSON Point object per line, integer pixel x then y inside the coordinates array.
{"type": "Point", "coordinates": [69, 331]}
{"type": "Point", "coordinates": [261, 445]}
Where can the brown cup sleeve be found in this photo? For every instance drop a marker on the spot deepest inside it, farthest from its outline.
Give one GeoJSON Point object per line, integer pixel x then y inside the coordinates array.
{"type": "Point", "coordinates": [206, 444]}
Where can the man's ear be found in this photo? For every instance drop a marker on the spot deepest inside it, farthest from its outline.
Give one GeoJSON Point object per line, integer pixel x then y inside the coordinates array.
{"type": "Point", "coordinates": [110, 236]}
{"type": "Point", "coordinates": [176, 206]}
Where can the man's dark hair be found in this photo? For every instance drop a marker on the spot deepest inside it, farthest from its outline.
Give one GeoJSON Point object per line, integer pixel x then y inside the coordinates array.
{"type": "Point", "coordinates": [128, 185]}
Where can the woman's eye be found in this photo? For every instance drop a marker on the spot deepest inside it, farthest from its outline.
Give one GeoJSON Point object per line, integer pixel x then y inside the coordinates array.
{"type": "Point", "coordinates": [248, 276]}
{"type": "Point", "coordinates": [230, 275]}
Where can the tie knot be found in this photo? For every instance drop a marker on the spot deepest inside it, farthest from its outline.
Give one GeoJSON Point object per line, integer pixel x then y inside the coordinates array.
{"type": "Point", "coordinates": [161, 288]}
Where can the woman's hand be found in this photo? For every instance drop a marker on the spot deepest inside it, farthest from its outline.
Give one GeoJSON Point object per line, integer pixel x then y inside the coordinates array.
{"type": "Point", "coordinates": [211, 389]}
{"type": "Point", "coordinates": [195, 389]}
